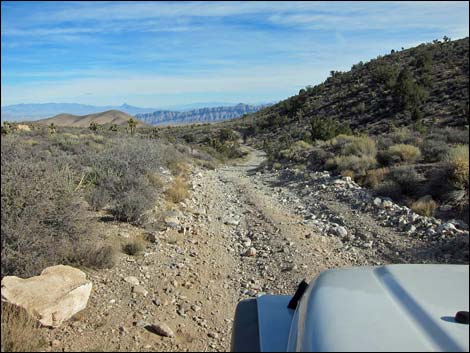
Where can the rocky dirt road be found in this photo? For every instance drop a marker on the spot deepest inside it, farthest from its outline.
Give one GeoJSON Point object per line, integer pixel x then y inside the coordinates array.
{"type": "Point", "coordinates": [244, 232]}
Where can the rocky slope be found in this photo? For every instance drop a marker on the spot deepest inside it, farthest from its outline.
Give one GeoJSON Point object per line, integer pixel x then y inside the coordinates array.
{"type": "Point", "coordinates": [427, 83]}
{"type": "Point", "coordinates": [243, 232]}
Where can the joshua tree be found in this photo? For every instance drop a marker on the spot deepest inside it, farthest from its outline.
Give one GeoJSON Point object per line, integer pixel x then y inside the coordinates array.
{"type": "Point", "coordinates": [52, 128]}
{"type": "Point", "coordinates": [132, 123]}
{"type": "Point", "coordinates": [113, 127]}
{"type": "Point", "coordinates": [155, 133]}
{"type": "Point", "coordinates": [6, 128]}
{"type": "Point", "coordinates": [93, 126]}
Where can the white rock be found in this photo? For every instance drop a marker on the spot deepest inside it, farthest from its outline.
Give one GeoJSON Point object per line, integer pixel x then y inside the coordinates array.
{"type": "Point", "coordinates": [132, 280]}
{"type": "Point", "coordinates": [387, 203]}
{"type": "Point", "coordinates": [378, 201]}
{"type": "Point", "coordinates": [140, 290]}
{"type": "Point", "coordinates": [53, 297]}
{"type": "Point", "coordinates": [341, 231]}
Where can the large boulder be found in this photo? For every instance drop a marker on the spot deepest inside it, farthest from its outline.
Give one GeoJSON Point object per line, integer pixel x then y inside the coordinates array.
{"type": "Point", "coordinates": [53, 297]}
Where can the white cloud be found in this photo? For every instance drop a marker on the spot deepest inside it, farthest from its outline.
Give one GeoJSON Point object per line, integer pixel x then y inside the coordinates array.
{"type": "Point", "coordinates": [255, 80]}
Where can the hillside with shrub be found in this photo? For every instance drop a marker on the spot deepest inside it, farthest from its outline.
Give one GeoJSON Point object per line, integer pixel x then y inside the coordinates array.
{"type": "Point", "coordinates": [424, 86]}
{"type": "Point", "coordinates": [397, 124]}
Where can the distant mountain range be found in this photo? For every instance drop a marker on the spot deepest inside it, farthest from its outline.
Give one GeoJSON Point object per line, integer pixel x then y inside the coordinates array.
{"type": "Point", "coordinates": [20, 112]}
{"type": "Point", "coordinates": [204, 115]}
{"type": "Point", "coordinates": [31, 112]}
{"type": "Point", "coordinates": [108, 117]}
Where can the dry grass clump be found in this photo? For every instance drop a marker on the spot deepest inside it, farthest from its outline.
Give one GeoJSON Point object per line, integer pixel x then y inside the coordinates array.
{"type": "Point", "coordinates": [20, 331]}
{"type": "Point", "coordinates": [156, 180]}
{"type": "Point", "coordinates": [354, 155]}
{"type": "Point", "coordinates": [133, 247]}
{"type": "Point", "coordinates": [101, 257]}
{"type": "Point", "coordinates": [424, 207]}
{"type": "Point", "coordinates": [459, 164]}
{"type": "Point", "coordinates": [348, 173]}
{"type": "Point", "coordinates": [178, 191]}
{"type": "Point", "coordinates": [179, 167]}
{"type": "Point", "coordinates": [375, 176]}
{"type": "Point", "coordinates": [359, 146]}
{"type": "Point", "coordinates": [404, 153]}
{"type": "Point", "coordinates": [356, 164]}
{"type": "Point", "coordinates": [389, 188]}
{"type": "Point", "coordinates": [294, 150]}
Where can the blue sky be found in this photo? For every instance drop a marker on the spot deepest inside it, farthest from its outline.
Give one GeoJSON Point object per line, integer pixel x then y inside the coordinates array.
{"type": "Point", "coordinates": [166, 53]}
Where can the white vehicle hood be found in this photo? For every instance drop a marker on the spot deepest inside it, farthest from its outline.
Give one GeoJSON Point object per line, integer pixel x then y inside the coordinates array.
{"type": "Point", "coordinates": [389, 308]}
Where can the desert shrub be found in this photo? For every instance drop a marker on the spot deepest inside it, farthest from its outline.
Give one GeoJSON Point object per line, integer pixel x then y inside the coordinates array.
{"type": "Point", "coordinates": [409, 180]}
{"type": "Point", "coordinates": [401, 135]}
{"type": "Point", "coordinates": [327, 128]}
{"type": "Point", "coordinates": [121, 172]}
{"type": "Point", "coordinates": [435, 150]}
{"type": "Point", "coordinates": [456, 136]}
{"type": "Point", "coordinates": [385, 74]}
{"type": "Point", "coordinates": [356, 145]}
{"type": "Point", "coordinates": [359, 165]}
{"type": "Point", "coordinates": [389, 188]}
{"type": "Point", "coordinates": [132, 196]}
{"type": "Point", "coordinates": [103, 256]}
{"type": "Point", "coordinates": [209, 165]}
{"type": "Point", "coordinates": [375, 176]}
{"type": "Point", "coordinates": [133, 247]}
{"type": "Point", "coordinates": [42, 217]}
{"type": "Point", "coordinates": [179, 167]}
{"type": "Point", "coordinates": [295, 150]}
{"type": "Point", "coordinates": [408, 94]}
{"type": "Point", "coordinates": [401, 153]}
{"type": "Point", "coordinates": [425, 207]}
{"type": "Point", "coordinates": [178, 191]}
{"type": "Point", "coordinates": [20, 331]}
{"type": "Point", "coordinates": [201, 155]}
{"type": "Point", "coordinates": [156, 180]}
{"type": "Point", "coordinates": [318, 156]}
{"type": "Point", "coordinates": [97, 198]}
{"type": "Point", "coordinates": [227, 135]}
{"type": "Point", "coordinates": [224, 148]}
{"type": "Point", "coordinates": [459, 164]}
{"type": "Point", "coordinates": [348, 173]}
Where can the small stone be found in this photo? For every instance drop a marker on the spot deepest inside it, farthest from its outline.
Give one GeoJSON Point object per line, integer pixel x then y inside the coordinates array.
{"type": "Point", "coordinates": [447, 227]}
{"type": "Point", "coordinates": [172, 222]}
{"type": "Point", "coordinates": [247, 243]}
{"type": "Point", "coordinates": [214, 335]}
{"type": "Point", "coordinates": [251, 252]}
{"type": "Point", "coordinates": [140, 290]}
{"type": "Point", "coordinates": [387, 203]}
{"type": "Point", "coordinates": [341, 231]}
{"type": "Point", "coordinates": [195, 308]}
{"type": "Point", "coordinates": [378, 201]}
{"type": "Point", "coordinates": [132, 280]}
{"type": "Point", "coordinates": [157, 301]}
{"type": "Point", "coordinates": [162, 329]}
{"type": "Point", "coordinates": [140, 323]}
{"type": "Point", "coordinates": [232, 222]}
